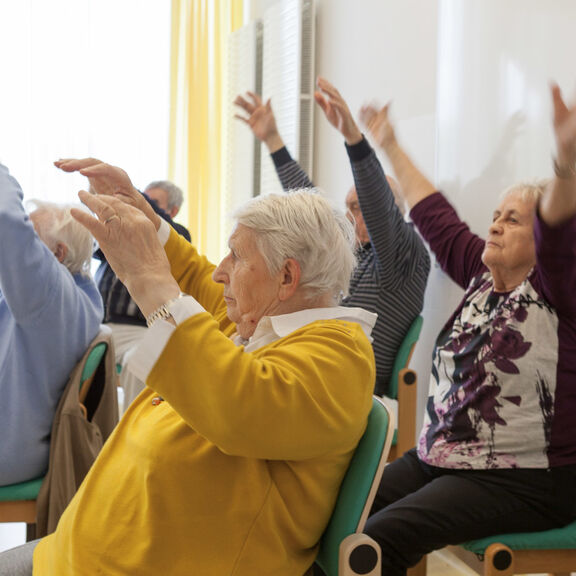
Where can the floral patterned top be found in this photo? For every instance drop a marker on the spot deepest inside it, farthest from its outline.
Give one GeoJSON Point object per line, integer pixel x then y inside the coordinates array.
{"type": "Point", "coordinates": [503, 382]}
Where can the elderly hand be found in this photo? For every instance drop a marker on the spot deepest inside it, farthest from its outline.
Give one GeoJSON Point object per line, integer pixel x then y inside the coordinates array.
{"type": "Point", "coordinates": [131, 246]}
{"type": "Point", "coordinates": [336, 111]}
{"type": "Point", "coordinates": [564, 131]}
{"type": "Point", "coordinates": [107, 180]}
{"type": "Point", "coordinates": [378, 125]}
{"type": "Point", "coordinates": [261, 120]}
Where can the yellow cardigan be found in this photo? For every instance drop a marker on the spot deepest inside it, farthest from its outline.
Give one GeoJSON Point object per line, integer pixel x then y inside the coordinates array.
{"type": "Point", "coordinates": [237, 470]}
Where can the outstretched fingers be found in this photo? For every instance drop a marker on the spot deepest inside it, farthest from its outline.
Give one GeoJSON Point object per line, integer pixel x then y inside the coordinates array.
{"type": "Point", "coordinates": [75, 164]}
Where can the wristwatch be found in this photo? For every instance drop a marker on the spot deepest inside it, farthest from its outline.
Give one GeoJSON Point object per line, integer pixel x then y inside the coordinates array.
{"type": "Point", "coordinates": [162, 312]}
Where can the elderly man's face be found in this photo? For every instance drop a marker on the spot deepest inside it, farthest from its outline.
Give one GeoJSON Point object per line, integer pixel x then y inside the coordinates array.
{"type": "Point", "coordinates": [354, 214]}
{"type": "Point", "coordinates": [161, 197]}
{"type": "Point", "coordinates": [250, 291]}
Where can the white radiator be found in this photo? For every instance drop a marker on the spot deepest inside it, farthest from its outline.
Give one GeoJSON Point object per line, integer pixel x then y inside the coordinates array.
{"type": "Point", "coordinates": [273, 57]}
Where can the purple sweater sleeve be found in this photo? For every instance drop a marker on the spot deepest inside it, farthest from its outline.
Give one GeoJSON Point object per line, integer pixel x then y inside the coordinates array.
{"type": "Point", "coordinates": [457, 249]}
{"type": "Point", "coordinates": [556, 270]}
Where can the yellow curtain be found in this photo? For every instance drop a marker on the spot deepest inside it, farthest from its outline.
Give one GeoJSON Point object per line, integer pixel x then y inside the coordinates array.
{"type": "Point", "coordinates": [200, 31]}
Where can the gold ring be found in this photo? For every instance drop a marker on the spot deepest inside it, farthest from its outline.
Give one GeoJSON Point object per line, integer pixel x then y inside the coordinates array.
{"type": "Point", "coordinates": [111, 218]}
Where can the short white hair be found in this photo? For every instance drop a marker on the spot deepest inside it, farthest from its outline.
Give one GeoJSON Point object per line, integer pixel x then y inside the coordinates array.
{"type": "Point", "coordinates": [529, 191]}
{"type": "Point", "coordinates": [302, 225]}
{"type": "Point", "coordinates": [57, 225]}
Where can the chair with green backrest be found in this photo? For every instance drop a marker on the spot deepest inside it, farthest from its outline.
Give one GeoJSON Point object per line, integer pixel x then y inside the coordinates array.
{"type": "Point", "coordinates": [344, 549]}
{"type": "Point", "coordinates": [18, 501]}
{"type": "Point", "coordinates": [550, 552]}
{"type": "Point", "coordinates": [404, 389]}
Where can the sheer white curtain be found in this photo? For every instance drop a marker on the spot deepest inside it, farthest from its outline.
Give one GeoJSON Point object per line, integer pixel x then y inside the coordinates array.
{"type": "Point", "coordinates": [83, 78]}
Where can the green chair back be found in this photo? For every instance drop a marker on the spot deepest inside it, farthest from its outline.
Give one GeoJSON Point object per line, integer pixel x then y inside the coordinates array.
{"type": "Point", "coordinates": [358, 488]}
{"type": "Point", "coordinates": [93, 361]}
{"type": "Point", "coordinates": [404, 353]}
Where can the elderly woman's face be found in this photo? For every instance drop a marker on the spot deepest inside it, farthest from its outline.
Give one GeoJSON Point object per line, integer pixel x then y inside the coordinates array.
{"type": "Point", "coordinates": [510, 243]}
{"type": "Point", "coordinates": [250, 291]}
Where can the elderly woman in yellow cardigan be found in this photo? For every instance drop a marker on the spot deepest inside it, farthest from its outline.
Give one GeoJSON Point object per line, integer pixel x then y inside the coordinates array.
{"type": "Point", "coordinates": [258, 389]}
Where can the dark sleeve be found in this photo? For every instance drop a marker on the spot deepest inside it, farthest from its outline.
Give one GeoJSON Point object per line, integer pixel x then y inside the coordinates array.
{"type": "Point", "coordinates": [556, 269]}
{"type": "Point", "coordinates": [399, 249]}
{"type": "Point", "coordinates": [183, 231]}
{"type": "Point", "coordinates": [457, 249]}
{"type": "Point", "coordinates": [289, 171]}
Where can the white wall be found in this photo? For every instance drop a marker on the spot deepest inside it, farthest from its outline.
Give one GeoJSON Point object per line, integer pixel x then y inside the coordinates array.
{"type": "Point", "coordinates": [469, 84]}
{"type": "Point", "coordinates": [379, 51]}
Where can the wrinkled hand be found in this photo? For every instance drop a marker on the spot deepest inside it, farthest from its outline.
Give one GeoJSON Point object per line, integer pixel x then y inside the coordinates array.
{"type": "Point", "coordinates": [107, 180]}
{"type": "Point", "coordinates": [131, 245]}
{"type": "Point", "coordinates": [260, 119]}
{"type": "Point", "coordinates": [336, 111]}
{"type": "Point", "coordinates": [378, 125]}
{"type": "Point", "coordinates": [564, 121]}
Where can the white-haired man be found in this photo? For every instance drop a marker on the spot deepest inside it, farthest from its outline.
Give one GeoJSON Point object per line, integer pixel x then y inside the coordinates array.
{"type": "Point", "coordinates": [50, 311]}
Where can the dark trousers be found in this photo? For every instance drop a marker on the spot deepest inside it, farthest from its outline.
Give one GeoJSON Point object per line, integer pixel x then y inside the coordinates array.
{"type": "Point", "coordinates": [421, 508]}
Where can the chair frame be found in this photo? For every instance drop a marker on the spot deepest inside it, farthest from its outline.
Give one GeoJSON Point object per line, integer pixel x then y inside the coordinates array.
{"type": "Point", "coordinates": [501, 560]}
{"type": "Point", "coordinates": [343, 536]}
{"type": "Point", "coordinates": [405, 390]}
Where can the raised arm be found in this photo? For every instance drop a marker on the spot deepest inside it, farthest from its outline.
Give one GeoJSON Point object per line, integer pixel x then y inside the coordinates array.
{"type": "Point", "coordinates": [399, 250]}
{"type": "Point", "coordinates": [262, 122]}
{"type": "Point", "coordinates": [415, 186]}
{"type": "Point", "coordinates": [559, 201]}
{"type": "Point", "coordinates": [337, 112]}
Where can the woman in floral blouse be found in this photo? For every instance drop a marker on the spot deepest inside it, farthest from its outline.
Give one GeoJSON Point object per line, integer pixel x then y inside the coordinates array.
{"type": "Point", "coordinates": [497, 451]}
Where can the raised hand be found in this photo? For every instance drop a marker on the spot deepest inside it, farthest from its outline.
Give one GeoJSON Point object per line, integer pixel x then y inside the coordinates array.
{"type": "Point", "coordinates": [131, 245]}
{"type": "Point", "coordinates": [260, 119]}
{"type": "Point", "coordinates": [336, 111]}
{"type": "Point", "coordinates": [378, 125]}
{"type": "Point", "coordinates": [107, 180]}
{"type": "Point", "coordinates": [558, 203]}
{"type": "Point", "coordinates": [564, 122]}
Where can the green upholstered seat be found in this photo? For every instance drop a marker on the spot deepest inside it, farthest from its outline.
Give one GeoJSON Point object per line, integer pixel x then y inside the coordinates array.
{"type": "Point", "coordinates": [22, 491]}
{"type": "Point", "coordinates": [555, 539]}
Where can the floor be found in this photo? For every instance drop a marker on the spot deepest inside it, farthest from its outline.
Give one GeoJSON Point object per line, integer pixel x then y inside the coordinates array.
{"type": "Point", "coordinates": [12, 535]}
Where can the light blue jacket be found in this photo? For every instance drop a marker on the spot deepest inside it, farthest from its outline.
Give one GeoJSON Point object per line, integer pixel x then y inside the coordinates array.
{"type": "Point", "coordinates": [47, 320]}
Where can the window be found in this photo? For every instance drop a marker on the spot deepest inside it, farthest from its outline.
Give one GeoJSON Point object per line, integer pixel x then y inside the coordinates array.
{"type": "Point", "coordinates": [83, 78]}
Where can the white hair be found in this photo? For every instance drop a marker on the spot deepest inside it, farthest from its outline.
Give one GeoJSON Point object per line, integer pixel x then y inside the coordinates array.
{"type": "Point", "coordinates": [56, 225]}
{"type": "Point", "coordinates": [302, 225]}
{"type": "Point", "coordinates": [529, 191]}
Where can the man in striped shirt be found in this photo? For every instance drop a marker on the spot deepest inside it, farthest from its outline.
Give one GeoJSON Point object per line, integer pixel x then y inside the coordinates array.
{"type": "Point", "coordinates": [393, 263]}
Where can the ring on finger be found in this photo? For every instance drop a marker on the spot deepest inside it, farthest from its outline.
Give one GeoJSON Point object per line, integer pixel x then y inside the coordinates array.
{"type": "Point", "coordinates": [108, 220]}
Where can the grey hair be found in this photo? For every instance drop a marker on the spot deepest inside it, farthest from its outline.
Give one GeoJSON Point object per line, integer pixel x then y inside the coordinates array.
{"type": "Point", "coordinates": [58, 226]}
{"type": "Point", "coordinates": [175, 194]}
{"type": "Point", "coordinates": [302, 225]}
{"type": "Point", "coordinates": [529, 191]}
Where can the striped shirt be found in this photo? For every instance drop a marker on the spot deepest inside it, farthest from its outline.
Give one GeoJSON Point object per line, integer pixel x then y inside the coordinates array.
{"type": "Point", "coordinates": [392, 270]}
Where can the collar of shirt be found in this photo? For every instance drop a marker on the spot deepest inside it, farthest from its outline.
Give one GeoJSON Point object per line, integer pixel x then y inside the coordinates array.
{"type": "Point", "coordinates": [272, 328]}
